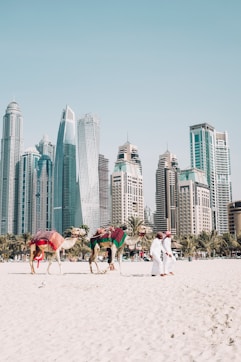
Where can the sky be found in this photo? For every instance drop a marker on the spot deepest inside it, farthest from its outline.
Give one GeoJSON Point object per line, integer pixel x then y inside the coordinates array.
{"type": "Point", "coordinates": [149, 69]}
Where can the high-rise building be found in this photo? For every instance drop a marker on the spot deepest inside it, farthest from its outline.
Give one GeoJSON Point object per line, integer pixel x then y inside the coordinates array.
{"type": "Point", "coordinates": [193, 202]}
{"type": "Point", "coordinates": [104, 187]}
{"type": "Point", "coordinates": [11, 150]}
{"type": "Point", "coordinates": [149, 216]}
{"type": "Point", "coordinates": [234, 218]}
{"type": "Point", "coordinates": [202, 151]}
{"type": "Point", "coordinates": [65, 173]}
{"type": "Point", "coordinates": [166, 216]}
{"type": "Point", "coordinates": [88, 173]}
{"type": "Point", "coordinates": [45, 185]}
{"type": "Point", "coordinates": [45, 147]}
{"type": "Point", "coordinates": [210, 152]}
{"type": "Point", "coordinates": [44, 194]}
{"type": "Point", "coordinates": [223, 179]}
{"type": "Point", "coordinates": [127, 186]}
{"type": "Point", "coordinates": [27, 206]}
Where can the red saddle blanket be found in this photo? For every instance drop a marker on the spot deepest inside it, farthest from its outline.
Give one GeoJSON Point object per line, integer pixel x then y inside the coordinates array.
{"type": "Point", "coordinates": [53, 238]}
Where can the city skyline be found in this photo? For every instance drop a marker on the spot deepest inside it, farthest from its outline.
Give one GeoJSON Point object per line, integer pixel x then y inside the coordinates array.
{"type": "Point", "coordinates": [149, 70]}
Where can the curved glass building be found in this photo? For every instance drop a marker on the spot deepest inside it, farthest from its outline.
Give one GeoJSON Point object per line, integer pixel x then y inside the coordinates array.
{"type": "Point", "coordinates": [65, 173]}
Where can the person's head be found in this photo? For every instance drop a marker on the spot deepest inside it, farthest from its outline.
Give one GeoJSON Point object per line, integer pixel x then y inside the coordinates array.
{"type": "Point", "coordinates": [159, 235]}
{"type": "Point", "coordinates": [168, 234]}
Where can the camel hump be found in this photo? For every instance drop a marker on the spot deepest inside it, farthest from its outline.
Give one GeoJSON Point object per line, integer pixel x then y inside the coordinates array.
{"type": "Point", "coordinates": [52, 237]}
{"type": "Point", "coordinates": [43, 234]}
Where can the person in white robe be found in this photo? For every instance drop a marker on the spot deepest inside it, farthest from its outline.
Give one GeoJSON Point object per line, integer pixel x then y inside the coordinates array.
{"type": "Point", "coordinates": [168, 257]}
{"type": "Point", "coordinates": [155, 253]}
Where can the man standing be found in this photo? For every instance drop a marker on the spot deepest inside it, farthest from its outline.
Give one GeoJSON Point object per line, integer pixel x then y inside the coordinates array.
{"type": "Point", "coordinates": [155, 253]}
{"type": "Point", "coordinates": [168, 257]}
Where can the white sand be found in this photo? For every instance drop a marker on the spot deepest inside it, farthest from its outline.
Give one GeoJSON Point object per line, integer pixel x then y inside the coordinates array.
{"type": "Point", "coordinates": [192, 316]}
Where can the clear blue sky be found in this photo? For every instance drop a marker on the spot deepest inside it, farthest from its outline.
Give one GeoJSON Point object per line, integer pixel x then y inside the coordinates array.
{"type": "Point", "coordinates": [149, 69]}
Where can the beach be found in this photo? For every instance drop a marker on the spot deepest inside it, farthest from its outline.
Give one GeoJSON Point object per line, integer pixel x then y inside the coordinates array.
{"type": "Point", "coordinates": [194, 315]}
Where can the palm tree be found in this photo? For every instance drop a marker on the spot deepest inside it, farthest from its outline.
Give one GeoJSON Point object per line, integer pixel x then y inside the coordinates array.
{"type": "Point", "coordinates": [4, 247]}
{"type": "Point", "coordinates": [209, 242]}
{"type": "Point", "coordinates": [228, 244]}
{"type": "Point", "coordinates": [189, 245]}
{"type": "Point", "coordinates": [133, 225]}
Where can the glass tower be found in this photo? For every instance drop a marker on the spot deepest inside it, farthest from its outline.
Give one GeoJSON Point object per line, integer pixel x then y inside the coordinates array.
{"type": "Point", "coordinates": [202, 152]}
{"type": "Point", "coordinates": [88, 173]}
{"type": "Point", "coordinates": [11, 150]}
{"type": "Point", "coordinates": [65, 173]}
{"type": "Point", "coordinates": [210, 153]}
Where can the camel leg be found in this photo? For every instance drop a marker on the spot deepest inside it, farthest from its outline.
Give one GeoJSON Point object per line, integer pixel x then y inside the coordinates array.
{"type": "Point", "coordinates": [91, 261]}
{"type": "Point", "coordinates": [112, 259]}
{"type": "Point", "coordinates": [93, 258]}
{"type": "Point", "coordinates": [119, 258]}
{"type": "Point", "coordinates": [50, 263]}
{"type": "Point", "coordinates": [31, 260]}
{"type": "Point", "coordinates": [59, 261]}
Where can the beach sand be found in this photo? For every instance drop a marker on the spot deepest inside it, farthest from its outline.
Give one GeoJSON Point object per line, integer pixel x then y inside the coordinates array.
{"type": "Point", "coordinates": [194, 315]}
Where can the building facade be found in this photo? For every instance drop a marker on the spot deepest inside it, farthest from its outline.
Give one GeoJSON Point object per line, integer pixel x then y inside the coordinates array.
{"type": "Point", "coordinates": [88, 135]}
{"type": "Point", "coordinates": [45, 184]}
{"type": "Point", "coordinates": [46, 147]}
{"type": "Point", "coordinates": [104, 189]}
{"type": "Point", "coordinates": [27, 206]}
{"type": "Point", "coordinates": [127, 198]}
{"type": "Point", "coordinates": [234, 218]}
{"type": "Point", "coordinates": [202, 151]}
{"type": "Point", "coordinates": [210, 152]}
{"type": "Point", "coordinates": [166, 216]}
{"type": "Point", "coordinates": [64, 204]}
{"type": "Point", "coordinates": [11, 150]}
{"type": "Point", "coordinates": [223, 179]}
{"type": "Point", "coordinates": [44, 196]}
{"type": "Point", "coordinates": [194, 202]}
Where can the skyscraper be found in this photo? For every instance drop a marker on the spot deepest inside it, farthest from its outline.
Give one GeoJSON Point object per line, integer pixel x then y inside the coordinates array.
{"type": "Point", "coordinates": [65, 173]}
{"type": "Point", "coordinates": [104, 187]}
{"type": "Point", "coordinates": [88, 174]}
{"type": "Point", "coordinates": [11, 150]}
{"type": "Point", "coordinates": [202, 152]}
{"type": "Point", "coordinates": [210, 153]}
{"type": "Point", "coordinates": [127, 186]}
{"type": "Point", "coordinates": [166, 217]}
{"type": "Point", "coordinates": [193, 202]}
{"type": "Point", "coordinates": [45, 147]}
{"type": "Point", "coordinates": [223, 178]}
{"type": "Point", "coordinates": [27, 206]}
{"type": "Point", "coordinates": [234, 218]}
{"type": "Point", "coordinates": [44, 196]}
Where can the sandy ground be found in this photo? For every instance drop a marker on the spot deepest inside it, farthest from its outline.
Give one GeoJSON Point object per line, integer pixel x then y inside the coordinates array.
{"type": "Point", "coordinates": [194, 315]}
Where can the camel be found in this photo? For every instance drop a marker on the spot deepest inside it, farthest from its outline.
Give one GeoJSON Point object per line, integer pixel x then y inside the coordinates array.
{"type": "Point", "coordinates": [51, 242]}
{"type": "Point", "coordinates": [115, 240]}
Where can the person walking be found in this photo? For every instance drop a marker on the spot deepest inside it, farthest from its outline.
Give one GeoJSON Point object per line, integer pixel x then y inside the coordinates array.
{"type": "Point", "coordinates": [168, 257]}
{"type": "Point", "coordinates": [155, 254]}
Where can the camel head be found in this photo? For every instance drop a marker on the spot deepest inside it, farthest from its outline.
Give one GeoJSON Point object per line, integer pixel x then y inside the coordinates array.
{"type": "Point", "coordinates": [142, 230]}
{"type": "Point", "coordinates": [77, 232]}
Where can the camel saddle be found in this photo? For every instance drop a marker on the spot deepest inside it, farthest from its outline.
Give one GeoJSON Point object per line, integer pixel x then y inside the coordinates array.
{"type": "Point", "coordinates": [52, 238]}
